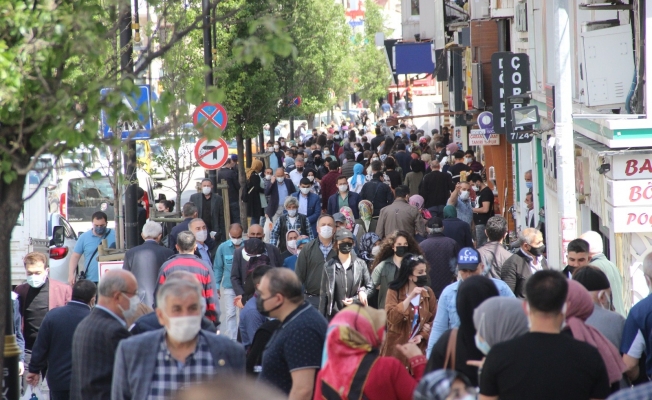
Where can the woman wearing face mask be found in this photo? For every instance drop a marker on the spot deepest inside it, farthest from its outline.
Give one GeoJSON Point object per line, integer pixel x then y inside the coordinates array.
{"type": "Point", "coordinates": [472, 292]}
{"type": "Point", "coordinates": [290, 243]}
{"type": "Point", "coordinates": [354, 337]}
{"type": "Point", "coordinates": [497, 320]}
{"type": "Point", "coordinates": [278, 155]}
{"type": "Point", "coordinates": [290, 220]}
{"type": "Point", "coordinates": [345, 277]}
{"type": "Point", "coordinates": [367, 168]}
{"type": "Point", "coordinates": [386, 264]}
{"type": "Point", "coordinates": [386, 148]}
{"type": "Point", "coordinates": [254, 192]}
{"type": "Point", "coordinates": [291, 262]}
{"type": "Point", "coordinates": [416, 201]}
{"type": "Point", "coordinates": [311, 174]}
{"type": "Point", "coordinates": [411, 306]}
{"type": "Point", "coordinates": [357, 180]}
{"type": "Point", "coordinates": [366, 209]}
{"type": "Point", "coordinates": [166, 206]}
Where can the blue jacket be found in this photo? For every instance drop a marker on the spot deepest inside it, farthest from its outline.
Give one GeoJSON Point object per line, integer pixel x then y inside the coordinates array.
{"type": "Point", "coordinates": [272, 192]}
{"type": "Point", "coordinates": [135, 361]}
{"type": "Point", "coordinates": [354, 200]}
{"type": "Point", "coordinates": [314, 209]}
{"type": "Point", "coordinates": [53, 346]}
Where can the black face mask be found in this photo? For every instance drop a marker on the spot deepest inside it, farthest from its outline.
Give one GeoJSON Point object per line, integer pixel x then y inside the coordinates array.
{"type": "Point", "coordinates": [300, 169]}
{"type": "Point", "coordinates": [537, 251]}
{"type": "Point", "coordinates": [401, 250]}
{"type": "Point", "coordinates": [345, 248]}
{"type": "Point", "coordinates": [422, 280]}
{"type": "Point", "coordinates": [260, 305]}
{"type": "Point", "coordinates": [317, 161]}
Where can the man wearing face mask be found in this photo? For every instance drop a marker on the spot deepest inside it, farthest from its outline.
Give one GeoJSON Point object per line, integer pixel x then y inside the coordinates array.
{"type": "Point", "coordinates": [343, 198]}
{"type": "Point", "coordinates": [400, 216]}
{"type": "Point", "coordinates": [157, 364]}
{"type": "Point", "coordinates": [567, 368]}
{"type": "Point", "coordinates": [97, 337]}
{"type": "Point", "coordinates": [297, 173]}
{"type": "Point", "coordinates": [603, 318]}
{"type": "Point", "coordinates": [278, 191]}
{"type": "Point", "coordinates": [294, 354]}
{"type": "Point", "coordinates": [525, 262]}
{"type": "Point", "coordinates": [222, 269]}
{"type": "Point", "coordinates": [440, 252]}
{"type": "Point", "coordinates": [186, 260]}
{"type": "Point", "coordinates": [311, 260]}
{"type": "Point", "coordinates": [290, 220]}
{"type": "Point", "coordinates": [461, 200]}
{"type": "Point", "coordinates": [210, 208]}
{"type": "Point", "coordinates": [206, 246]}
{"type": "Point", "coordinates": [36, 297]}
{"type": "Point", "coordinates": [309, 203]}
{"type": "Point", "coordinates": [87, 245]}
{"type": "Point", "coordinates": [528, 180]}
{"type": "Point", "coordinates": [469, 263]}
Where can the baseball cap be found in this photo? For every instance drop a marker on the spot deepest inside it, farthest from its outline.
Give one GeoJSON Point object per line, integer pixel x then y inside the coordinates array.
{"type": "Point", "coordinates": [435, 223]}
{"type": "Point", "coordinates": [468, 259]}
{"type": "Point", "coordinates": [342, 234]}
{"type": "Point", "coordinates": [339, 217]}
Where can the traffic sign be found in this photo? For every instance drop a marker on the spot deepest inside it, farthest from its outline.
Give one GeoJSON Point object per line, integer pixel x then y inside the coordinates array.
{"type": "Point", "coordinates": [210, 113]}
{"type": "Point", "coordinates": [211, 154]}
{"type": "Point", "coordinates": [139, 129]}
{"type": "Point", "coordinates": [296, 102]}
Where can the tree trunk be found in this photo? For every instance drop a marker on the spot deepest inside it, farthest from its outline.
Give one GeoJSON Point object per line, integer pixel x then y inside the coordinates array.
{"type": "Point", "coordinates": [242, 178]}
{"type": "Point", "coordinates": [11, 202]}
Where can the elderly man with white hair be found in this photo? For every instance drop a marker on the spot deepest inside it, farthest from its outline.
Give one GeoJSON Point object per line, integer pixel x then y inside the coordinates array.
{"type": "Point", "coordinates": [525, 262]}
{"type": "Point", "coordinates": [159, 363]}
{"type": "Point", "coordinates": [598, 259]}
{"type": "Point", "coordinates": [144, 261]}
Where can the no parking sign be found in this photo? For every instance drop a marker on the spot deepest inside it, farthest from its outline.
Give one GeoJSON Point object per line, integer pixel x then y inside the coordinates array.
{"type": "Point", "coordinates": [210, 113]}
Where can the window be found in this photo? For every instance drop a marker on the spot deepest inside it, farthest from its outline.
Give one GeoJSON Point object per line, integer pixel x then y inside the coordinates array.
{"type": "Point", "coordinates": [414, 7]}
{"type": "Point", "coordinates": [86, 192]}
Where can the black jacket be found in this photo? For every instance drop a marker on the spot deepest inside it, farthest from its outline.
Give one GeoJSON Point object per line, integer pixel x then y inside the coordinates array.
{"type": "Point", "coordinates": [378, 193]}
{"type": "Point", "coordinates": [516, 271]}
{"type": "Point", "coordinates": [254, 190]}
{"type": "Point", "coordinates": [53, 346]}
{"type": "Point", "coordinates": [239, 267]}
{"type": "Point", "coordinates": [231, 179]}
{"type": "Point", "coordinates": [435, 188]}
{"type": "Point", "coordinates": [217, 213]}
{"type": "Point", "coordinates": [180, 227]}
{"type": "Point", "coordinates": [459, 231]}
{"type": "Point", "coordinates": [272, 192]}
{"type": "Point", "coordinates": [144, 262]}
{"type": "Point", "coordinates": [361, 280]}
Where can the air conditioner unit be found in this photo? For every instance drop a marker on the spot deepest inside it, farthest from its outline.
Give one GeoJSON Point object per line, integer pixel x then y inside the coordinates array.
{"type": "Point", "coordinates": [606, 66]}
{"type": "Point", "coordinates": [479, 9]}
{"type": "Point", "coordinates": [477, 86]}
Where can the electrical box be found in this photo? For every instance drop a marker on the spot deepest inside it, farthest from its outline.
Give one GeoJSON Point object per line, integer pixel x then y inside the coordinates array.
{"type": "Point", "coordinates": [606, 66]}
{"type": "Point", "coordinates": [479, 9]}
{"type": "Point", "coordinates": [477, 86]}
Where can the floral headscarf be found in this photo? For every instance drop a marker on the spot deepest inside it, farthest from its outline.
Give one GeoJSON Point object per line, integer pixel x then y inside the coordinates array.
{"type": "Point", "coordinates": [348, 214]}
{"type": "Point", "coordinates": [366, 212]}
{"type": "Point", "coordinates": [366, 245]}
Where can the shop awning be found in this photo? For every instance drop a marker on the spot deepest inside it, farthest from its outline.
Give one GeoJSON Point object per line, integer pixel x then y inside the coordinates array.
{"type": "Point", "coordinates": [602, 150]}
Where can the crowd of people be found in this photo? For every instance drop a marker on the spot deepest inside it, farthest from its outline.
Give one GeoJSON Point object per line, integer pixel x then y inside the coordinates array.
{"type": "Point", "coordinates": [374, 266]}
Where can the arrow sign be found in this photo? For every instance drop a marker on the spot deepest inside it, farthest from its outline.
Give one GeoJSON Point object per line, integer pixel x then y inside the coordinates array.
{"type": "Point", "coordinates": [211, 154]}
{"type": "Point", "coordinates": [210, 113]}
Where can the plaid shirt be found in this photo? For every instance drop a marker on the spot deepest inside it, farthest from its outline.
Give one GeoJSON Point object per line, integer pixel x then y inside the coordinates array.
{"type": "Point", "coordinates": [276, 230]}
{"type": "Point", "coordinates": [171, 375]}
{"type": "Point", "coordinates": [641, 392]}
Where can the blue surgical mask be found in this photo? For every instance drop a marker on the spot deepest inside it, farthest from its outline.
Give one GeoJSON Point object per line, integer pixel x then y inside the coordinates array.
{"type": "Point", "coordinates": [482, 345]}
{"type": "Point", "coordinates": [99, 230]}
{"type": "Point", "coordinates": [528, 185]}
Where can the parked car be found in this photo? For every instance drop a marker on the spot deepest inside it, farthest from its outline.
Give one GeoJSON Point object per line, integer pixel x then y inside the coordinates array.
{"type": "Point", "coordinates": [62, 243]}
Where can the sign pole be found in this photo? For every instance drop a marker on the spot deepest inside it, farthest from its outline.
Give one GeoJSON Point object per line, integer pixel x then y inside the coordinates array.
{"type": "Point", "coordinates": [208, 61]}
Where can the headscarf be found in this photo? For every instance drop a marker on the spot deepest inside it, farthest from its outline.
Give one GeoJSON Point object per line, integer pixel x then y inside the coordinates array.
{"type": "Point", "coordinates": [366, 245]}
{"type": "Point", "coordinates": [348, 215]}
{"type": "Point", "coordinates": [292, 251]}
{"type": "Point", "coordinates": [452, 147]}
{"type": "Point", "coordinates": [417, 201]}
{"type": "Point", "coordinates": [256, 166]}
{"type": "Point", "coordinates": [437, 385]}
{"type": "Point", "coordinates": [450, 212]}
{"type": "Point", "coordinates": [366, 209]}
{"type": "Point", "coordinates": [352, 333]}
{"type": "Point", "coordinates": [357, 178]}
{"type": "Point", "coordinates": [499, 319]}
{"type": "Point", "coordinates": [580, 307]}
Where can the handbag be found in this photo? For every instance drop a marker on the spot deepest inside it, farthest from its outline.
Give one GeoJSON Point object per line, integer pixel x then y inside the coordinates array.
{"type": "Point", "coordinates": [82, 274]}
{"type": "Point", "coordinates": [450, 350]}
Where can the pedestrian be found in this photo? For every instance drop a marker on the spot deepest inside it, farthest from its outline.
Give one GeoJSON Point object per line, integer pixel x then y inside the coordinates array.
{"type": "Point", "coordinates": [309, 203]}
{"type": "Point", "coordinates": [53, 348]}
{"type": "Point", "coordinates": [366, 211]}
{"type": "Point", "coordinates": [329, 183]}
{"type": "Point", "coordinates": [493, 253]}
{"type": "Point", "coordinates": [348, 166]}
{"type": "Point", "coordinates": [313, 177]}
{"type": "Point", "coordinates": [470, 160]}
{"type": "Point", "coordinates": [414, 177]}
{"type": "Point", "coordinates": [293, 355]}
{"type": "Point", "coordinates": [457, 229]}
{"type": "Point", "coordinates": [240, 269]}
{"type": "Point", "coordinates": [144, 261]}
{"type": "Point", "coordinates": [400, 216]}
{"type": "Point", "coordinates": [525, 262]}
{"type": "Point", "coordinates": [440, 253]}
{"type": "Point", "coordinates": [392, 176]}
{"type": "Point", "coordinates": [228, 174]}
{"type": "Point", "coordinates": [277, 157]}
{"type": "Point", "coordinates": [385, 268]}
{"type": "Point", "coordinates": [578, 256]}
{"type": "Point", "coordinates": [87, 245]}
{"type": "Point", "coordinates": [206, 245]}
{"type": "Point", "coordinates": [343, 198]}
{"type": "Point", "coordinates": [291, 261]}
{"type": "Point", "coordinates": [529, 217]}
{"type": "Point", "coordinates": [250, 318]}
{"type": "Point", "coordinates": [357, 181]}
{"type": "Point", "coordinates": [435, 189]}
{"type": "Point", "coordinates": [36, 298]}
{"type": "Point", "coordinates": [402, 158]}
{"type": "Point", "coordinates": [97, 336]}
{"type": "Point", "coordinates": [376, 191]}
{"type": "Point", "coordinates": [497, 320]}
{"type": "Point", "coordinates": [345, 278]}
{"type": "Point", "coordinates": [18, 331]}
{"type": "Point", "coordinates": [444, 383]}
{"type": "Point", "coordinates": [416, 201]}
{"type": "Point", "coordinates": [297, 174]}
{"type": "Point", "coordinates": [166, 206]}
{"type": "Point", "coordinates": [485, 206]}
{"type": "Point", "coordinates": [291, 238]}
{"type": "Point", "coordinates": [603, 318]}
{"type": "Point", "coordinates": [354, 339]}
{"type": "Point", "coordinates": [311, 260]}
{"type": "Point", "coordinates": [186, 260]}
{"type": "Point", "coordinates": [543, 364]}
{"type": "Point", "coordinates": [159, 363]}
{"type": "Point", "coordinates": [279, 190]}
{"type": "Point", "coordinates": [469, 264]}
{"type": "Point", "coordinates": [255, 192]}
{"type": "Point", "coordinates": [222, 270]}
{"type": "Point", "coordinates": [210, 208]}
{"type": "Point", "coordinates": [598, 259]}
{"type": "Point", "coordinates": [290, 220]}
{"type": "Point", "coordinates": [188, 212]}
{"type": "Point", "coordinates": [458, 167]}
{"type": "Point", "coordinates": [141, 215]}
{"type": "Point", "coordinates": [461, 200]}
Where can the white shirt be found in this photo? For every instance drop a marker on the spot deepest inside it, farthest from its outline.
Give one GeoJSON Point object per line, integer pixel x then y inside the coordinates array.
{"type": "Point", "coordinates": [534, 267]}
{"type": "Point", "coordinates": [303, 204]}
{"type": "Point", "coordinates": [295, 177]}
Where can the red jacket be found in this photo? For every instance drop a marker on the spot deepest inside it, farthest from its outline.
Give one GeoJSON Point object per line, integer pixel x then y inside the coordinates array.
{"type": "Point", "coordinates": [328, 187]}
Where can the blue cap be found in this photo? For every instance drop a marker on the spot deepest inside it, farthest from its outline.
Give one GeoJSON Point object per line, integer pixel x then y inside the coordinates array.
{"type": "Point", "coordinates": [468, 259]}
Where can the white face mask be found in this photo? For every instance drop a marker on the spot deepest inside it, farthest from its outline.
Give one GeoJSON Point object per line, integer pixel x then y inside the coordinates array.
{"type": "Point", "coordinates": [326, 232]}
{"type": "Point", "coordinates": [133, 307]}
{"type": "Point", "coordinates": [375, 250]}
{"type": "Point", "coordinates": [183, 329]}
{"type": "Point", "coordinates": [464, 195]}
{"type": "Point", "coordinates": [326, 152]}
{"type": "Point", "coordinates": [343, 188]}
{"type": "Point", "coordinates": [374, 158]}
{"type": "Point", "coordinates": [285, 165]}
{"type": "Point", "coordinates": [276, 147]}
{"type": "Point", "coordinates": [475, 188]}
{"type": "Point", "coordinates": [280, 179]}
{"type": "Point", "coordinates": [468, 160]}
{"type": "Point", "coordinates": [448, 152]}
{"type": "Point", "coordinates": [292, 244]}
{"type": "Point", "coordinates": [236, 242]}
{"type": "Point", "coordinates": [270, 149]}
{"type": "Point", "coordinates": [36, 281]}
{"type": "Point", "coordinates": [311, 178]}
{"type": "Point", "coordinates": [207, 190]}
{"type": "Point", "coordinates": [201, 236]}
{"type": "Point", "coordinates": [292, 213]}
{"type": "Point", "coordinates": [268, 177]}
{"type": "Point", "coordinates": [305, 190]}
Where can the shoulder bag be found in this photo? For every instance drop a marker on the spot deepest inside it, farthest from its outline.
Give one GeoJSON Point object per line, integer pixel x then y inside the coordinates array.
{"type": "Point", "coordinates": [450, 350]}
{"type": "Point", "coordinates": [82, 274]}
